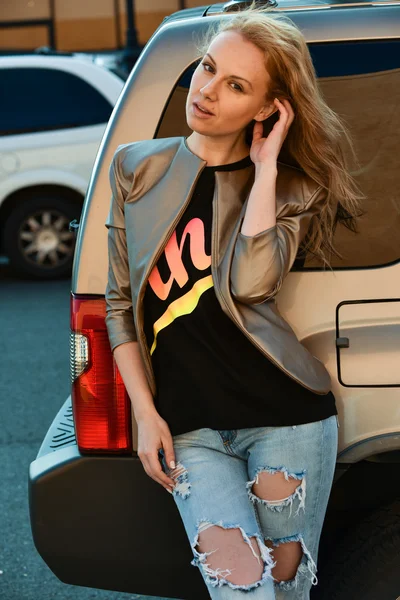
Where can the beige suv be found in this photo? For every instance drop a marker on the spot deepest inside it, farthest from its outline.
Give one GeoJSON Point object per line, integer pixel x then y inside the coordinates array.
{"type": "Point", "coordinates": [97, 519]}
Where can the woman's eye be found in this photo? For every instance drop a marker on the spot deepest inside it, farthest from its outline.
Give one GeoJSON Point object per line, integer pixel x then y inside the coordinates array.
{"type": "Point", "coordinates": [238, 88]}
{"type": "Point", "coordinates": [205, 65]}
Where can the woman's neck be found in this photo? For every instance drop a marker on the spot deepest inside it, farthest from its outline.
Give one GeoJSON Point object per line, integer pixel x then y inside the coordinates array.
{"type": "Point", "coordinates": [217, 151]}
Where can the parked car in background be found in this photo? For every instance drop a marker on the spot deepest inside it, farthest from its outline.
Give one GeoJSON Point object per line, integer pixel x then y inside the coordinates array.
{"type": "Point", "coordinates": [112, 60]}
{"type": "Point", "coordinates": [97, 519]}
{"type": "Point", "coordinates": [53, 114]}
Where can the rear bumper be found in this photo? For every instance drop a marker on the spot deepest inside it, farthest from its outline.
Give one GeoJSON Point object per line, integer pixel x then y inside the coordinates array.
{"type": "Point", "coordinates": [102, 522]}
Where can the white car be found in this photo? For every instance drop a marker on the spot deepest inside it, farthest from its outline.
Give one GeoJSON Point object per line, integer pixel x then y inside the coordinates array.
{"type": "Point", "coordinates": [54, 111]}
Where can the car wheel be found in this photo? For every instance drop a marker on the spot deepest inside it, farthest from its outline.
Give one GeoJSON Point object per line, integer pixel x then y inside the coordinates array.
{"type": "Point", "coordinates": [37, 239]}
{"type": "Point", "coordinates": [366, 563]}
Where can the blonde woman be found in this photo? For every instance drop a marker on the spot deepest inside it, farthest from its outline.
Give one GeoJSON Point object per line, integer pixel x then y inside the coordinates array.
{"type": "Point", "coordinates": [234, 414]}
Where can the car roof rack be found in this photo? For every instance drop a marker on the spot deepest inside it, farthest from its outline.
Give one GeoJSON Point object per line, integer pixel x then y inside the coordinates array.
{"type": "Point", "coordinates": [293, 5]}
{"type": "Point", "coordinates": [220, 8]}
{"type": "Point", "coordinates": [234, 5]}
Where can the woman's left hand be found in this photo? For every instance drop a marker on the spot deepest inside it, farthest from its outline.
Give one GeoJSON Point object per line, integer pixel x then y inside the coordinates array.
{"type": "Point", "coordinates": [266, 150]}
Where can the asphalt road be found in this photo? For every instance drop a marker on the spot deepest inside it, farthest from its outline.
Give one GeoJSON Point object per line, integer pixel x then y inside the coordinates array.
{"type": "Point", "coordinates": [34, 382]}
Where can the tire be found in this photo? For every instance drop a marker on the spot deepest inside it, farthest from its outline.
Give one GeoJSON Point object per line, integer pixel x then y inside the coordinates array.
{"type": "Point", "coordinates": [37, 239]}
{"type": "Point", "coordinates": [365, 565]}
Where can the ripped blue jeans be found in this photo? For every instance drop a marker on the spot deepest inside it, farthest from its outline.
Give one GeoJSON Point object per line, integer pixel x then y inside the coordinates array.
{"type": "Point", "coordinates": [215, 473]}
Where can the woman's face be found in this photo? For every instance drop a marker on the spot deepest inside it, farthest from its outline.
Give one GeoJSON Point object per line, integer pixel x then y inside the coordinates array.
{"type": "Point", "coordinates": [231, 82]}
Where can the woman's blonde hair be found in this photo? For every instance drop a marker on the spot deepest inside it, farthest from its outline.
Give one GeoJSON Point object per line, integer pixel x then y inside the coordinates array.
{"type": "Point", "coordinates": [314, 140]}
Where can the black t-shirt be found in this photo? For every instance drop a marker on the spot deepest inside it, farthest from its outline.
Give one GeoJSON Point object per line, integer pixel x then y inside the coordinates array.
{"type": "Point", "coordinates": [208, 373]}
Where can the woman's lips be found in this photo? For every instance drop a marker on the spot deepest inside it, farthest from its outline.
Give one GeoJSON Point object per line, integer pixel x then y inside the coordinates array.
{"type": "Point", "coordinates": [200, 113]}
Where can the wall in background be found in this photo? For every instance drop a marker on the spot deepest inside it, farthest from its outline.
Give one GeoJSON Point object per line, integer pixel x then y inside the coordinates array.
{"type": "Point", "coordinates": [77, 25]}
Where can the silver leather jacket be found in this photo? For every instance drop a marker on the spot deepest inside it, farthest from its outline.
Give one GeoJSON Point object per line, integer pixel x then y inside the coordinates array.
{"type": "Point", "coordinates": [152, 182]}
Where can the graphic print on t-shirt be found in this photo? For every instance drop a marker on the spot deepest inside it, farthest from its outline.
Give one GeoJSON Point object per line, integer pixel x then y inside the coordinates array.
{"type": "Point", "coordinates": [179, 273]}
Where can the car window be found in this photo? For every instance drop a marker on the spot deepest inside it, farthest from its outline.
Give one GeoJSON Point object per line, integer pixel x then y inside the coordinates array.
{"type": "Point", "coordinates": [361, 82]}
{"type": "Point", "coordinates": [40, 99]}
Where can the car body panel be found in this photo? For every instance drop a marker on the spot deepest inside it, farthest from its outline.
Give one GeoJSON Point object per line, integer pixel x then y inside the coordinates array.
{"type": "Point", "coordinates": [64, 157]}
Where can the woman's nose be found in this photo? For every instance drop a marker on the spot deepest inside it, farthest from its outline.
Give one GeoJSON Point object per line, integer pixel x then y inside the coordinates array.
{"type": "Point", "coordinates": [208, 91]}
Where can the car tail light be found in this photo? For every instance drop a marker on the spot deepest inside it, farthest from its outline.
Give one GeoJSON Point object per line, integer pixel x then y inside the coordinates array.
{"type": "Point", "coordinates": [100, 403]}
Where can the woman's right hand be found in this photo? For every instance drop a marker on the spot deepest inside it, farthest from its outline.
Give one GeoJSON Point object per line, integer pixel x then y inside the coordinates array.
{"type": "Point", "coordinates": [154, 433]}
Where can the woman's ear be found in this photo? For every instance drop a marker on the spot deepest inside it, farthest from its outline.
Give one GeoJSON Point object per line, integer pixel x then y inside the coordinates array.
{"type": "Point", "coordinates": [267, 111]}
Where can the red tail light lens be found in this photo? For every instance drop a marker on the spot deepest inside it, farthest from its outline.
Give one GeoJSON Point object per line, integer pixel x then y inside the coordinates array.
{"type": "Point", "coordinates": [100, 403]}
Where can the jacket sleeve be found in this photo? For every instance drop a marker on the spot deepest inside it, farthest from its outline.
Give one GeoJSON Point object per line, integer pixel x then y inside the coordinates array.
{"type": "Point", "coordinates": [119, 314]}
{"type": "Point", "coordinates": [261, 262]}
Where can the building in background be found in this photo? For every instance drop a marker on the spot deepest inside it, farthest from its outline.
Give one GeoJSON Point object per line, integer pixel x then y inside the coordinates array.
{"type": "Point", "coordinates": [73, 25]}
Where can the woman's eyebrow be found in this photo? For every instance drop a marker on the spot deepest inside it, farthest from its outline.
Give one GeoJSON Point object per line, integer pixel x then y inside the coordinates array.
{"type": "Point", "coordinates": [234, 76]}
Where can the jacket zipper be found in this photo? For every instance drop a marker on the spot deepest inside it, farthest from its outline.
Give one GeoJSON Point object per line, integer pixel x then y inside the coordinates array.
{"type": "Point", "coordinates": [220, 297]}
{"type": "Point", "coordinates": [157, 255]}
